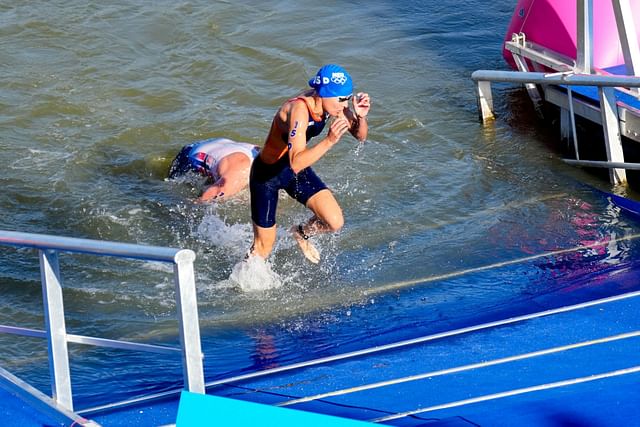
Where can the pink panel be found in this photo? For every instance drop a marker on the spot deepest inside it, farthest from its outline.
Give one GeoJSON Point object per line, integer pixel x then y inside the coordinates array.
{"type": "Point", "coordinates": [552, 23]}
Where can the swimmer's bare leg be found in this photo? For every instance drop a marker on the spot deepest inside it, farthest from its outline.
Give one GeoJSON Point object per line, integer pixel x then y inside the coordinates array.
{"type": "Point", "coordinates": [327, 219]}
{"type": "Point", "coordinates": [302, 238]}
{"type": "Point", "coordinates": [263, 241]}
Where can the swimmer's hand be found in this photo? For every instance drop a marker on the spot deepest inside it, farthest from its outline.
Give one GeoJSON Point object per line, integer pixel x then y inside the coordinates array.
{"type": "Point", "coordinates": [361, 104]}
{"type": "Point", "coordinates": [211, 194]}
{"type": "Point", "coordinates": [338, 127]}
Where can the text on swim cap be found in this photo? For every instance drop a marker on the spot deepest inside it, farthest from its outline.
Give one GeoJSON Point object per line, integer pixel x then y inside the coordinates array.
{"type": "Point", "coordinates": [337, 78]}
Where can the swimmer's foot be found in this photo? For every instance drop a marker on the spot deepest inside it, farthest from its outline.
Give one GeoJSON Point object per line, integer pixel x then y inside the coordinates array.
{"type": "Point", "coordinates": [307, 248]}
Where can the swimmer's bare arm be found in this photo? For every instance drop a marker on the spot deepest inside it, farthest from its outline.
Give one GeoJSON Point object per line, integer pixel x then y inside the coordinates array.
{"type": "Point", "coordinates": [359, 127]}
{"type": "Point", "coordinates": [234, 176]}
{"type": "Point", "coordinates": [301, 156]}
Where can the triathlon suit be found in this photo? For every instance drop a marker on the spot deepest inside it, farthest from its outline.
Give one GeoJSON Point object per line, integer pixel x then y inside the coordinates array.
{"type": "Point", "coordinates": [203, 157]}
{"type": "Point", "coordinates": [267, 179]}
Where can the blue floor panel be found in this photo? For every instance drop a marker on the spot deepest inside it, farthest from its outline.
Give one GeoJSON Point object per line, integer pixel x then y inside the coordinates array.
{"type": "Point", "coordinates": [533, 335]}
{"type": "Point", "coordinates": [591, 92]}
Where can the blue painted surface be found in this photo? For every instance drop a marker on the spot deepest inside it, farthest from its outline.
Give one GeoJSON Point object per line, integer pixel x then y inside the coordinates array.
{"type": "Point", "coordinates": [157, 413]}
{"type": "Point", "coordinates": [591, 92]}
{"type": "Point", "coordinates": [588, 400]}
{"type": "Point", "coordinates": [536, 284]}
{"type": "Point", "coordinates": [612, 401]}
{"type": "Point", "coordinates": [628, 205]}
{"type": "Point", "coordinates": [14, 411]}
{"type": "Point", "coordinates": [195, 408]}
{"type": "Point", "coordinates": [618, 70]}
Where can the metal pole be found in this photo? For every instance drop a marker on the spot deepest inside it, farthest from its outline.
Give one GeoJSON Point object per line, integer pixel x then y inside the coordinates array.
{"type": "Point", "coordinates": [584, 39]}
{"type": "Point", "coordinates": [55, 329]}
{"type": "Point", "coordinates": [532, 89]}
{"type": "Point", "coordinates": [87, 246]}
{"type": "Point", "coordinates": [627, 33]}
{"type": "Point", "coordinates": [555, 78]}
{"type": "Point", "coordinates": [603, 164]}
{"type": "Point", "coordinates": [611, 129]}
{"type": "Point", "coordinates": [187, 307]}
{"type": "Point", "coordinates": [485, 100]}
{"type": "Point", "coordinates": [572, 117]}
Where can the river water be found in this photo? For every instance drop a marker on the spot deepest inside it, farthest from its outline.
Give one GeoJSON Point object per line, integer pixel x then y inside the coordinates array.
{"type": "Point", "coordinates": [96, 99]}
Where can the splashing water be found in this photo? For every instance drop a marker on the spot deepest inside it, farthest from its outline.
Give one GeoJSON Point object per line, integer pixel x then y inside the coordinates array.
{"type": "Point", "coordinates": [255, 274]}
{"type": "Point", "coordinates": [234, 239]}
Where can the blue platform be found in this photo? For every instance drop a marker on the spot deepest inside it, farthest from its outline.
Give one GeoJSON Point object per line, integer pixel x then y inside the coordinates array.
{"type": "Point", "coordinates": [560, 347]}
{"type": "Point", "coordinates": [577, 367]}
{"type": "Point", "coordinates": [465, 379]}
{"type": "Point", "coordinates": [591, 92]}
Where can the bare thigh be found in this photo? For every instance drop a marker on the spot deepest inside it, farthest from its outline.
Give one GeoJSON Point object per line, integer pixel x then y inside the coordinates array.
{"type": "Point", "coordinates": [325, 206]}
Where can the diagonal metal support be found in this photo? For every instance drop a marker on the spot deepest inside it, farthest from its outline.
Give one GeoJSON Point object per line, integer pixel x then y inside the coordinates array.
{"type": "Point", "coordinates": [532, 89]}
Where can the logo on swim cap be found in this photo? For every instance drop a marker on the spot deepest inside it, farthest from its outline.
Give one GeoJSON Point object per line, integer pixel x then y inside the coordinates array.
{"type": "Point", "coordinates": [331, 81]}
{"type": "Point", "coordinates": [338, 78]}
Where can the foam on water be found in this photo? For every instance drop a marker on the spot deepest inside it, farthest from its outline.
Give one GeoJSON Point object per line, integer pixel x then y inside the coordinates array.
{"type": "Point", "coordinates": [255, 274]}
{"type": "Point", "coordinates": [232, 239]}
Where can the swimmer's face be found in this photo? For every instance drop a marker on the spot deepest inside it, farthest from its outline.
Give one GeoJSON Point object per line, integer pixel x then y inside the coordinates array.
{"type": "Point", "coordinates": [336, 105]}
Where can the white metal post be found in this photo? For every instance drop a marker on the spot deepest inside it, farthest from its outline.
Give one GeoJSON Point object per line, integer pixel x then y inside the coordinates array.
{"type": "Point", "coordinates": [485, 100]}
{"type": "Point", "coordinates": [584, 39]}
{"type": "Point", "coordinates": [628, 36]}
{"type": "Point", "coordinates": [55, 328]}
{"type": "Point", "coordinates": [187, 307]}
{"type": "Point", "coordinates": [611, 128]}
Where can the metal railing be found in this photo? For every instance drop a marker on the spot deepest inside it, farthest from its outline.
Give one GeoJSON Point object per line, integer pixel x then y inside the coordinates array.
{"type": "Point", "coordinates": [606, 86]}
{"type": "Point", "coordinates": [55, 331]}
{"type": "Point", "coordinates": [484, 78]}
{"type": "Point", "coordinates": [583, 64]}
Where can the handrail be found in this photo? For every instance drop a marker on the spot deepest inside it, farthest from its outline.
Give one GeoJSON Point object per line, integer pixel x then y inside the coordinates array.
{"type": "Point", "coordinates": [100, 342]}
{"type": "Point", "coordinates": [48, 247]}
{"type": "Point", "coordinates": [555, 78]}
{"type": "Point", "coordinates": [93, 247]}
{"type": "Point", "coordinates": [606, 85]}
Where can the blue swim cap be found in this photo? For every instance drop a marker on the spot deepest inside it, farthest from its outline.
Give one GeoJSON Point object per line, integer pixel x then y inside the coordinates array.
{"type": "Point", "coordinates": [332, 80]}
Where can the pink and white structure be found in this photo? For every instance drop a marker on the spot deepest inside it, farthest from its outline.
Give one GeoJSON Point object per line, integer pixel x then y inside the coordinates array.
{"type": "Point", "coordinates": [582, 56]}
{"type": "Point", "coordinates": [554, 25]}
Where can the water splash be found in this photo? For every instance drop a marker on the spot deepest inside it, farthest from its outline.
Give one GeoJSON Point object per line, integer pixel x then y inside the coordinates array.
{"type": "Point", "coordinates": [233, 239]}
{"type": "Point", "coordinates": [255, 274]}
